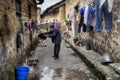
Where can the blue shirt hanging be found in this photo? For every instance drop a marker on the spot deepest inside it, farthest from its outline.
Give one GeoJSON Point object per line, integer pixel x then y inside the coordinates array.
{"type": "Point", "coordinates": [34, 26]}
{"type": "Point", "coordinates": [82, 11]}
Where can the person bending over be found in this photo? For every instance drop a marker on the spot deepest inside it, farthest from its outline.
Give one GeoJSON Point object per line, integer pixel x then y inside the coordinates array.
{"type": "Point", "coordinates": [55, 35]}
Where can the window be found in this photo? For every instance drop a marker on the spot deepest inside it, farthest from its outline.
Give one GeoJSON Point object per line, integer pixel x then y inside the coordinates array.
{"type": "Point", "coordinates": [68, 15]}
{"type": "Point", "coordinates": [18, 6]}
{"type": "Point", "coordinates": [29, 11]}
{"type": "Point", "coordinates": [19, 12]}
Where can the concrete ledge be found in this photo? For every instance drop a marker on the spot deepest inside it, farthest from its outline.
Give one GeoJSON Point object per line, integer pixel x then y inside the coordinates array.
{"type": "Point", "coordinates": [95, 59]}
{"type": "Point", "coordinates": [116, 67]}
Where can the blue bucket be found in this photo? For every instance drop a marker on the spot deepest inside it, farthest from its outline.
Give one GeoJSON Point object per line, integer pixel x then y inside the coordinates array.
{"type": "Point", "coordinates": [22, 72]}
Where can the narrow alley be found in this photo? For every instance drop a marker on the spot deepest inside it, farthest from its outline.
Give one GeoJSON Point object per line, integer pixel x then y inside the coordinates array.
{"type": "Point", "coordinates": [68, 67]}
{"type": "Point", "coordinates": [59, 39]}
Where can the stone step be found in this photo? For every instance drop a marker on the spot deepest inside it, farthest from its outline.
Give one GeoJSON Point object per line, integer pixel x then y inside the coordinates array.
{"type": "Point", "coordinates": [95, 59]}
{"type": "Point", "coordinates": [115, 66]}
{"type": "Point", "coordinates": [33, 62]}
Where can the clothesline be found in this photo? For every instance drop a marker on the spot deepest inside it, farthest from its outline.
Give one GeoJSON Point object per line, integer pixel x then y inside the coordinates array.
{"type": "Point", "coordinates": [92, 19]}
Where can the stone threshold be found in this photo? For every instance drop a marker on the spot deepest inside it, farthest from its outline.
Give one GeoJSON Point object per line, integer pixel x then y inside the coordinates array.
{"type": "Point", "coordinates": [116, 67]}
{"type": "Point", "coordinates": [104, 72]}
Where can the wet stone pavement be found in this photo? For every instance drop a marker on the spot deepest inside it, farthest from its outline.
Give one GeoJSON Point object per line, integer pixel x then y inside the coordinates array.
{"type": "Point", "coordinates": [68, 67]}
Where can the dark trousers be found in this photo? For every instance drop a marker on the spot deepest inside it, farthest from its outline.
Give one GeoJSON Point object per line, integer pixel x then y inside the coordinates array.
{"type": "Point", "coordinates": [56, 50]}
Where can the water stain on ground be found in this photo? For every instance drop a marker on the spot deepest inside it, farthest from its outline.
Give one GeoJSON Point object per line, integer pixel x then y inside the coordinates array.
{"type": "Point", "coordinates": [66, 74]}
{"type": "Point", "coordinates": [46, 73]}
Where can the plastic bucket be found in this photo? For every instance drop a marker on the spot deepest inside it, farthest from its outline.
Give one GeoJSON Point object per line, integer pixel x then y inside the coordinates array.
{"type": "Point", "coordinates": [22, 72]}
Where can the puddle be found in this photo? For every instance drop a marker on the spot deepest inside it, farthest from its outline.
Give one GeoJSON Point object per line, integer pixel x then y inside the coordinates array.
{"type": "Point", "coordinates": [46, 73]}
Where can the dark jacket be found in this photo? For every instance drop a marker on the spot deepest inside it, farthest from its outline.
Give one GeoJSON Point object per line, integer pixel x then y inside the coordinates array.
{"type": "Point", "coordinates": [56, 36]}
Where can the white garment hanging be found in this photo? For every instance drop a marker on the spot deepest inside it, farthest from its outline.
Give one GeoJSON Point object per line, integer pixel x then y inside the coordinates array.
{"type": "Point", "coordinates": [86, 15]}
{"type": "Point", "coordinates": [110, 4]}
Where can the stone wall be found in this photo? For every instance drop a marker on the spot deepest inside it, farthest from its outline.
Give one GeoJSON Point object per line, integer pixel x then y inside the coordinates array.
{"type": "Point", "coordinates": [104, 41]}
{"type": "Point", "coordinates": [7, 40]}
{"type": "Point", "coordinates": [2, 7]}
{"type": "Point", "coordinates": [70, 5]}
{"type": "Point", "coordinates": [9, 57]}
{"type": "Point", "coordinates": [115, 35]}
{"type": "Point", "coordinates": [25, 18]}
{"type": "Point", "coordinates": [71, 14]}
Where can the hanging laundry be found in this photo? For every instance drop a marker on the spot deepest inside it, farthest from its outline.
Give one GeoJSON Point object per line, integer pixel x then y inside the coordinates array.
{"type": "Point", "coordinates": [65, 24]}
{"type": "Point", "coordinates": [81, 24]}
{"type": "Point", "coordinates": [34, 25]}
{"type": "Point", "coordinates": [69, 25]}
{"type": "Point", "coordinates": [103, 8]}
{"type": "Point", "coordinates": [57, 25]}
{"type": "Point", "coordinates": [28, 25]}
{"type": "Point", "coordinates": [110, 4]}
{"type": "Point", "coordinates": [82, 11]}
{"type": "Point", "coordinates": [86, 15]}
{"type": "Point", "coordinates": [25, 24]}
{"type": "Point", "coordinates": [91, 17]}
{"type": "Point", "coordinates": [78, 17]}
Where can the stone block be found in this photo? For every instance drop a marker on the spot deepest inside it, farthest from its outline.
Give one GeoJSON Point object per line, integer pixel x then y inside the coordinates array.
{"type": "Point", "coordinates": [116, 67]}
{"type": "Point", "coordinates": [118, 26]}
{"type": "Point", "coordinates": [109, 44]}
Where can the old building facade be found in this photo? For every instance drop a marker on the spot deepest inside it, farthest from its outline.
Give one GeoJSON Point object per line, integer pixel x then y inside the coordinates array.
{"type": "Point", "coordinates": [101, 42]}
{"type": "Point", "coordinates": [8, 31]}
{"type": "Point", "coordinates": [71, 14]}
{"type": "Point", "coordinates": [53, 13]}
{"type": "Point", "coordinates": [16, 12]}
{"type": "Point", "coordinates": [98, 40]}
{"type": "Point", "coordinates": [14, 37]}
{"type": "Point", "coordinates": [29, 9]}
{"type": "Point", "coordinates": [38, 15]}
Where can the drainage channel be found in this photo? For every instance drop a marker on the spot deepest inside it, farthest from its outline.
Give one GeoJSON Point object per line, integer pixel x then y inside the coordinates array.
{"type": "Point", "coordinates": [90, 66]}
